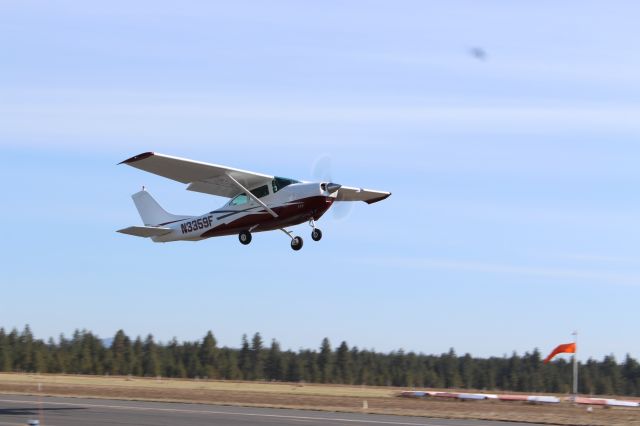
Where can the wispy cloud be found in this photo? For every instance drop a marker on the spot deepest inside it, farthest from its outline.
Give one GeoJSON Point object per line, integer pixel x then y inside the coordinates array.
{"type": "Point", "coordinates": [585, 117]}
{"type": "Point", "coordinates": [73, 114]}
{"type": "Point", "coordinates": [601, 258]}
{"type": "Point", "coordinates": [570, 275]}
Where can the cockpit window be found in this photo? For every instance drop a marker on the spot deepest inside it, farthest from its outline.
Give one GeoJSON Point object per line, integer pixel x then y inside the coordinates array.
{"type": "Point", "coordinates": [239, 200]}
{"type": "Point", "coordinates": [260, 191]}
{"type": "Point", "coordinates": [278, 183]}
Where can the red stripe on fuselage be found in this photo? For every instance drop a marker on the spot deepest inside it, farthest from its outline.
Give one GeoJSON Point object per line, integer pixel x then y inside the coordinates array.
{"type": "Point", "coordinates": [288, 215]}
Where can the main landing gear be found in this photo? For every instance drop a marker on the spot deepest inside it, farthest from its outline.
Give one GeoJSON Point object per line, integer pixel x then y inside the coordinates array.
{"type": "Point", "coordinates": [296, 242]}
{"type": "Point", "coordinates": [245, 237]}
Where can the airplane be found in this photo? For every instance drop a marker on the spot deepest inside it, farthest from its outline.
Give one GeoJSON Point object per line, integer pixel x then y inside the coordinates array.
{"type": "Point", "coordinates": [258, 202]}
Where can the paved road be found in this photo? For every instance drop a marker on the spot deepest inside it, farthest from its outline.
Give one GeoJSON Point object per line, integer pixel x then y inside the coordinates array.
{"type": "Point", "coordinates": [53, 411]}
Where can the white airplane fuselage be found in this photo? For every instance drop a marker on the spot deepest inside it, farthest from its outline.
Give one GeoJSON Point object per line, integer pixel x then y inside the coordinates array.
{"type": "Point", "coordinates": [258, 202]}
{"type": "Point", "coordinates": [294, 204]}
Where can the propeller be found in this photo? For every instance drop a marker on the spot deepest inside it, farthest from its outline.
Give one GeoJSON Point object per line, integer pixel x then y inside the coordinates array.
{"type": "Point", "coordinates": [322, 171]}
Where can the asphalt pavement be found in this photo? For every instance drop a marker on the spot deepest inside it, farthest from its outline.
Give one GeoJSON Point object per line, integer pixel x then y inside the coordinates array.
{"type": "Point", "coordinates": [57, 411]}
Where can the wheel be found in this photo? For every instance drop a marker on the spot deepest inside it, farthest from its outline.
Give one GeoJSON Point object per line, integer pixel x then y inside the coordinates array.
{"type": "Point", "coordinates": [245, 237]}
{"type": "Point", "coordinates": [296, 243]}
{"type": "Point", "coordinates": [316, 234]}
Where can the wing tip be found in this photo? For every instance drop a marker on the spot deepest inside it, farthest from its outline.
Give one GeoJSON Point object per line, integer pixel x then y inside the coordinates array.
{"type": "Point", "coordinates": [375, 200]}
{"type": "Point", "coordinates": [137, 157]}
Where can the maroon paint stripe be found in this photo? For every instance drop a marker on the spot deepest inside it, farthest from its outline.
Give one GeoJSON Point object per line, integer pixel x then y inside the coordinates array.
{"type": "Point", "coordinates": [288, 215]}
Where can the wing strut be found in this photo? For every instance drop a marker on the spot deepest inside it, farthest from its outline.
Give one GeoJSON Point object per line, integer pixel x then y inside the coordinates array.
{"type": "Point", "coordinates": [253, 197]}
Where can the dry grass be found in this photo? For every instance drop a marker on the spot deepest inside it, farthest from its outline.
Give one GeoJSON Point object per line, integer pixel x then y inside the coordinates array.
{"type": "Point", "coordinates": [380, 400]}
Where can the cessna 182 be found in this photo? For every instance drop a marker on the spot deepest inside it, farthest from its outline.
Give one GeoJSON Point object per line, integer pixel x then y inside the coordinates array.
{"type": "Point", "coordinates": [258, 202]}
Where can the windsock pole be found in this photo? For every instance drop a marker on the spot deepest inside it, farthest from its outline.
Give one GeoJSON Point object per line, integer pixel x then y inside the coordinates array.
{"type": "Point", "coordinates": [575, 366]}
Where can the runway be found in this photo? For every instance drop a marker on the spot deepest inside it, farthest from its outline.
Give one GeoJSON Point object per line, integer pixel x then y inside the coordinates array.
{"type": "Point", "coordinates": [55, 411]}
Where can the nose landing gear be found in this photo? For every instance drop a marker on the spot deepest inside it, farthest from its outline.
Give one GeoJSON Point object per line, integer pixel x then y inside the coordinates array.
{"type": "Point", "coordinates": [316, 234]}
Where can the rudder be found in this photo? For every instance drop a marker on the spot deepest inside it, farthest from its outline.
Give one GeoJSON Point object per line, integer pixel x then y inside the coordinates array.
{"type": "Point", "coordinates": [151, 212]}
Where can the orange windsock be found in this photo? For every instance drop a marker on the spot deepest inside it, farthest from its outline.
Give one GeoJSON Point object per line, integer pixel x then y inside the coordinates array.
{"type": "Point", "coordinates": [567, 348]}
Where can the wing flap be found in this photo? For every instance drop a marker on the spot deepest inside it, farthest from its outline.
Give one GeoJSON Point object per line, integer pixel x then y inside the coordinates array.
{"type": "Point", "coordinates": [369, 196]}
{"type": "Point", "coordinates": [202, 177]}
{"type": "Point", "coordinates": [145, 231]}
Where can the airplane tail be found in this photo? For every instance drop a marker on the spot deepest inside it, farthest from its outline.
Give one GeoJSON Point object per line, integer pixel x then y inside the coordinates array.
{"type": "Point", "coordinates": [151, 212]}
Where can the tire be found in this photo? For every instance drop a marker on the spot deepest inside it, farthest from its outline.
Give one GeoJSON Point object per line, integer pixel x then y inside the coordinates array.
{"type": "Point", "coordinates": [245, 237]}
{"type": "Point", "coordinates": [296, 243]}
{"type": "Point", "coordinates": [316, 235]}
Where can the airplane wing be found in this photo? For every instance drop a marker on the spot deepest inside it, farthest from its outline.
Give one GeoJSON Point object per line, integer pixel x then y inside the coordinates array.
{"type": "Point", "coordinates": [202, 177]}
{"type": "Point", "coordinates": [145, 231]}
{"type": "Point", "coordinates": [369, 196]}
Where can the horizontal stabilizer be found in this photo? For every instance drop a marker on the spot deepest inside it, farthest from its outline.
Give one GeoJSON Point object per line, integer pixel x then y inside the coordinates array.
{"type": "Point", "coordinates": [145, 231]}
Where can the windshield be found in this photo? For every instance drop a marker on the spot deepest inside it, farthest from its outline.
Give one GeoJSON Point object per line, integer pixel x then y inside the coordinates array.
{"type": "Point", "coordinates": [239, 199]}
{"type": "Point", "coordinates": [278, 183]}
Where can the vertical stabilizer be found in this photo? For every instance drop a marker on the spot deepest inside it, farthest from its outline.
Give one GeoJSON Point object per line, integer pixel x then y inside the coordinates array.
{"type": "Point", "coordinates": [151, 212]}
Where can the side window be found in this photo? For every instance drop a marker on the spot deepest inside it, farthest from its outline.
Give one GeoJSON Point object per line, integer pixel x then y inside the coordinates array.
{"type": "Point", "coordinates": [239, 200]}
{"type": "Point", "coordinates": [261, 191]}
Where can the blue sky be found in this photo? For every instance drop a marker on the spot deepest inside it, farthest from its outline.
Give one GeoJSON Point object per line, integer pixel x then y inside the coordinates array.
{"type": "Point", "coordinates": [514, 215]}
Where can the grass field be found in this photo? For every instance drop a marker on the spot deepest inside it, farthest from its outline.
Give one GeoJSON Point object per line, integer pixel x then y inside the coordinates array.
{"type": "Point", "coordinates": [381, 400]}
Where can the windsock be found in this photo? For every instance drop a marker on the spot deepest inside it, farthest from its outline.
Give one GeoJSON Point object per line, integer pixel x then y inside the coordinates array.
{"type": "Point", "coordinates": [566, 348]}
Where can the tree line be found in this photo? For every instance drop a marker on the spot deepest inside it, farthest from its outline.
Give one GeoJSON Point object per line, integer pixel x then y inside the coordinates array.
{"type": "Point", "coordinates": [86, 353]}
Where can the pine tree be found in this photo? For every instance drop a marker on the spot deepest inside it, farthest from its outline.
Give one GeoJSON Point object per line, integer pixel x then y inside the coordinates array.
{"type": "Point", "coordinates": [467, 371]}
{"type": "Point", "coordinates": [344, 368]}
{"type": "Point", "coordinates": [150, 359]}
{"type": "Point", "coordinates": [244, 363]}
{"type": "Point", "coordinates": [6, 352]}
{"type": "Point", "coordinates": [325, 361]}
{"type": "Point", "coordinates": [136, 358]}
{"type": "Point", "coordinates": [50, 356]}
{"type": "Point", "coordinates": [631, 376]}
{"type": "Point", "coordinates": [613, 383]}
{"type": "Point", "coordinates": [192, 359]}
{"type": "Point", "coordinates": [25, 350]}
{"type": "Point", "coordinates": [450, 370]}
{"type": "Point", "coordinates": [62, 357]}
{"type": "Point", "coordinates": [366, 369]}
{"type": "Point", "coordinates": [257, 364]}
{"type": "Point", "coordinates": [121, 354]}
{"type": "Point", "coordinates": [229, 369]}
{"type": "Point", "coordinates": [397, 368]}
{"type": "Point", "coordinates": [209, 356]}
{"type": "Point", "coordinates": [311, 369]}
{"type": "Point", "coordinates": [274, 365]}
{"type": "Point", "coordinates": [39, 357]}
{"type": "Point", "coordinates": [171, 360]}
{"type": "Point", "coordinates": [294, 367]}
